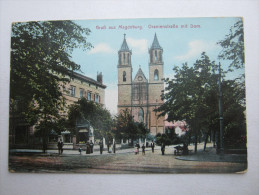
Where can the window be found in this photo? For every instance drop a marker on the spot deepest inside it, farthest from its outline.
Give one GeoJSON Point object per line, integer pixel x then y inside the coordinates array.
{"type": "Point", "coordinates": [124, 58]}
{"type": "Point", "coordinates": [96, 98]}
{"type": "Point", "coordinates": [155, 55]}
{"type": "Point", "coordinates": [124, 76]}
{"type": "Point", "coordinates": [128, 59]}
{"type": "Point", "coordinates": [156, 77]}
{"type": "Point", "coordinates": [141, 115]}
{"type": "Point", "coordinates": [136, 95]}
{"type": "Point", "coordinates": [81, 93]}
{"type": "Point", "coordinates": [73, 91]}
{"type": "Point", "coordinates": [160, 56]}
{"type": "Point", "coordinates": [89, 96]}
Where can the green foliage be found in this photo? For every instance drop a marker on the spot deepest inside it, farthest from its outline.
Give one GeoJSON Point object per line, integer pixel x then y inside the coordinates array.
{"type": "Point", "coordinates": [127, 128]}
{"type": "Point", "coordinates": [40, 63]}
{"type": "Point", "coordinates": [233, 46]}
{"type": "Point", "coordinates": [192, 96]}
{"type": "Point", "coordinates": [169, 137]}
{"type": "Point", "coordinates": [99, 117]}
{"type": "Point", "coordinates": [191, 93]}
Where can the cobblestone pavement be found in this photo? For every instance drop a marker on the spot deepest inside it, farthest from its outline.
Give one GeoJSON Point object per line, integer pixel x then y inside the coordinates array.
{"type": "Point", "coordinates": [121, 162]}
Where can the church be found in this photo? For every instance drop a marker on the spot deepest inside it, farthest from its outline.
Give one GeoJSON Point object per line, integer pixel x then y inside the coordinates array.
{"type": "Point", "coordinates": [142, 94]}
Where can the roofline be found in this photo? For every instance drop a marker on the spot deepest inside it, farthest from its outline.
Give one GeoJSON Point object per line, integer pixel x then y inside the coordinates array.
{"type": "Point", "coordinates": [87, 79]}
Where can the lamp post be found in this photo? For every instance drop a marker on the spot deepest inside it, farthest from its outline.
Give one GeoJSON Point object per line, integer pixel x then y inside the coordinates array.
{"type": "Point", "coordinates": [221, 149]}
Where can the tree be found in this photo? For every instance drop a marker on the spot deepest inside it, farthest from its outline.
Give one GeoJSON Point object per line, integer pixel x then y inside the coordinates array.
{"type": "Point", "coordinates": [233, 50]}
{"type": "Point", "coordinates": [98, 117]}
{"type": "Point", "coordinates": [233, 46]}
{"type": "Point", "coordinates": [188, 96]}
{"type": "Point", "coordinates": [127, 128]}
{"type": "Point", "coordinates": [40, 64]}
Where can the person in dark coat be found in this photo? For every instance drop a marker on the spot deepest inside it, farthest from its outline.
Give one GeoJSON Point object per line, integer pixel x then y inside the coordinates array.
{"type": "Point", "coordinates": [91, 146]}
{"type": "Point", "coordinates": [114, 147]}
{"type": "Point", "coordinates": [143, 149]}
{"type": "Point", "coordinates": [88, 149]}
{"type": "Point", "coordinates": [108, 147]}
{"type": "Point", "coordinates": [152, 146]}
{"type": "Point", "coordinates": [163, 148]}
{"type": "Point", "coordinates": [101, 147]}
{"type": "Point", "coordinates": [60, 147]}
{"type": "Point", "coordinates": [138, 146]}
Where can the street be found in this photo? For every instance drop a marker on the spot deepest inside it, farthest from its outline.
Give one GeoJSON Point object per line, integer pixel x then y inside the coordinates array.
{"type": "Point", "coordinates": [124, 161]}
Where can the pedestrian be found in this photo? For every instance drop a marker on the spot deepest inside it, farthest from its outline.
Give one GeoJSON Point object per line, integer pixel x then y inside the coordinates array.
{"type": "Point", "coordinates": [60, 146]}
{"type": "Point", "coordinates": [136, 150]}
{"type": "Point", "coordinates": [114, 148]}
{"type": "Point", "coordinates": [163, 148]}
{"type": "Point", "coordinates": [88, 149]}
{"type": "Point", "coordinates": [143, 149]}
{"type": "Point", "coordinates": [152, 146]}
{"type": "Point", "coordinates": [101, 147]}
{"type": "Point", "coordinates": [138, 146]}
{"type": "Point", "coordinates": [108, 146]}
{"type": "Point", "coordinates": [91, 146]}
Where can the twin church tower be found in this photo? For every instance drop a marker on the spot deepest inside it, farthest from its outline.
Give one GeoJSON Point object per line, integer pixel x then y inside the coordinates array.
{"type": "Point", "coordinates": [142, 95]}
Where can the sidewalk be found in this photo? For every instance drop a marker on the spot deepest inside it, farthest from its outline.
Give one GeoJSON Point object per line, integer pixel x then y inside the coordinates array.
{"type": "Point", "coordinates": [210, 155]}
{"type": "Point", "coordinates": [75, 152]}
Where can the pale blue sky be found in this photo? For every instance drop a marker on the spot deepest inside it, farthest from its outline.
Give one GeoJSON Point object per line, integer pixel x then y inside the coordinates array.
{"type": "Point", "coordinates": [179, 44]}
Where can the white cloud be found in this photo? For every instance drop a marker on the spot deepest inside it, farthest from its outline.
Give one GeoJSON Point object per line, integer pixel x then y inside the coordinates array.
{"type": "Point", "coordinates": [196, 47]}
{"type": "Point", "coordinates": [111, 97]}
{"type": "Point", "coordinates": [101, 48]}
{"type": "Point", "coordinates": [139, 46]}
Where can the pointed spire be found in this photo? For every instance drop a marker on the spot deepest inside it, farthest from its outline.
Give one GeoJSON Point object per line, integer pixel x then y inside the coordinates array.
{"type": "Point", "coordinates": [124, 46]}
{"type": "Point", "coordinates": [155, 44]}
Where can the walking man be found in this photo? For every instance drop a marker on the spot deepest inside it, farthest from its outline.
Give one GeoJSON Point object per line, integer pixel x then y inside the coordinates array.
{"type": "Point", "coordinates": [143, 149]}
{"type": "Point", "coordinates": [163, 148]}
{"type": "Point", "coordinates": [60, 147]}
{"type": "Point", "coordinates": [101, 147]}
{"type": "Point", "coordinates": [114, 147]}
{"type": "Point", "coordinates": [138, 146]}
{"type": "Point", "coordinates": [91, 146]}
{"type": "Point", "coordinates": [152, 146]}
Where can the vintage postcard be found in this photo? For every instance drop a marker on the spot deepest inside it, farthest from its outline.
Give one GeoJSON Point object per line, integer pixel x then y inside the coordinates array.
{"type": "Point", "coordinates": [128, 96]}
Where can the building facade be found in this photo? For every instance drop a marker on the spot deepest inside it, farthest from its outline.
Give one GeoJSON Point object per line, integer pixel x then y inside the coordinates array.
{"type": "Point", "coordinates": [142, 95]}
{"type": "Point", "coordinates": [22, 135]}
{"type": "Point", "coordinates": [79, 87]}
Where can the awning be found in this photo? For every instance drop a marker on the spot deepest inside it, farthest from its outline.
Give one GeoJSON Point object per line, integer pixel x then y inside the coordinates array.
{"type": "Point", "coordinates": [83, 131]}
{"type": "Point", "coordinates": [66, 132]}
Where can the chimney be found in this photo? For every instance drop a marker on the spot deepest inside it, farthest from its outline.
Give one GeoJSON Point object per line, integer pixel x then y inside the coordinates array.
{"type": "Point", "coordinates": [100, 77]}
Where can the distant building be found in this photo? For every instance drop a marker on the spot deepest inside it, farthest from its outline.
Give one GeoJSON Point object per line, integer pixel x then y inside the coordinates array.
{"type": "Point", "coordinates": [180, 127]}
{"type": "Point", "coordinates": [22, 135]}
{"type": "Point", "coordinates": [142, 94]}
{"type": "Point", "coordinates": [82, 86]}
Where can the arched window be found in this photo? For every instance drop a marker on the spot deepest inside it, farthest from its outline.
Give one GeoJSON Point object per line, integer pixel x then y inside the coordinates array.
{"type": "Point", "coordinates": [156, 77]}
{"type": "Point", "coordinates": [155, 55]}
{"type": "Point", "coordinates": [124, 57]}
{"type": "Point", "coordinates": [124, 76]}
{"type": "Point", "coordinates": [128, 59]}
{"type": "Point", "coordinates": [141, 115]}
{"type": "Point", "coordinates": [160, 56]}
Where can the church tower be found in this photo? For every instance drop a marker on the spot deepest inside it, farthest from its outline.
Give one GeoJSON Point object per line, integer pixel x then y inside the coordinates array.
{"type": "Point", "coordinates": [124, 76]}
{"type": "Point", "coordinates": [156, 86]}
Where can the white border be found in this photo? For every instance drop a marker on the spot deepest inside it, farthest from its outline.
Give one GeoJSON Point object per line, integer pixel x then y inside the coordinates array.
{"type": "Point", "coordinates": [27, 10]}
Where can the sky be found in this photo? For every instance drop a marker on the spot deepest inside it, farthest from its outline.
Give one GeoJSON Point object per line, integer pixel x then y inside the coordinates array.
{"type": "Point", "coordinates": [182, 39]}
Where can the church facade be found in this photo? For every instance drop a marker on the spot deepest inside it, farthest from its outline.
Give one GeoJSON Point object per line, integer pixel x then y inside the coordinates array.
{"type": "Point", "coordinates": [141, 94]}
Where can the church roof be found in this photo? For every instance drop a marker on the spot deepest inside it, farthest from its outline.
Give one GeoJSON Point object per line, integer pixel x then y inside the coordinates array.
{"type": "Point", "coordinates": [140, 74]}
{"type": "Point", "coordinates": [124, 46]}
{"type": "Point", "coordinates": [155, 44]}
